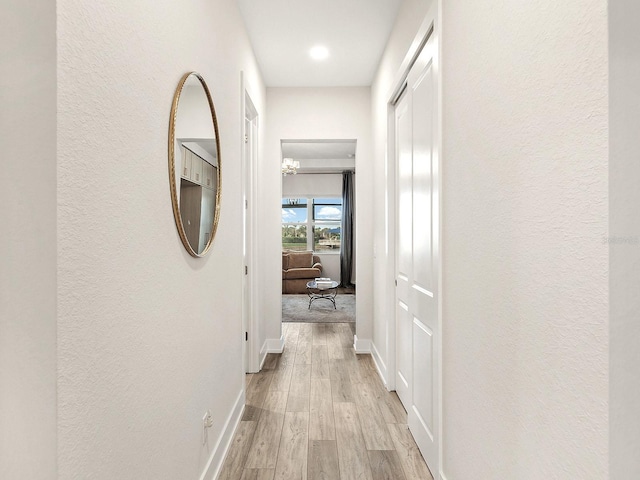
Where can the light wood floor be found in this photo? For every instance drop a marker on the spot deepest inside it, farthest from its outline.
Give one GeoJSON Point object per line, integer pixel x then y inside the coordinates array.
{"type": "Point", "coordinates": [318, 411]}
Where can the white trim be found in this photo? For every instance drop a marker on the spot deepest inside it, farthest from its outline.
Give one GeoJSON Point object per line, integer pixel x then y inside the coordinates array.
{"type": "Point", "coordinates": [390, 233]}
{"type": "Point", "coordinates": [273, 345]}
{"type": "Point", "coordinates": [361, 346]}
{"type": "Point", "coordinates": [216, 460]}
{"type": "Point", "coordinates": [270, 346]}
{"type": "Point", "coordinates": [249, 194]}
{"type": "Point", "coordinates": [420, 39]}
{"type": "Point", "coordinates": [380, 365]}
{"type": "Point", "coordinates": [246, 310]}
{"type": "Point", "coordinates": [263, 355]}
{"type": "Point", "coordinates": [440, 143]}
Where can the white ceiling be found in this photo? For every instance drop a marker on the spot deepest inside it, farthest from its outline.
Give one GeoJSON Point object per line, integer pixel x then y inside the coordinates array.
{"type": "Point", "coordinates": [283, 31]}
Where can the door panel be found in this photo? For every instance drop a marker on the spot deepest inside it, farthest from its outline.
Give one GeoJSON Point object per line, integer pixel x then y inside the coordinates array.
{"type": "Point", "coordinates": [405, 199]}
{"type": "Point", "coordinates": [422, 191]}
{"type": "Point", "coordinates": [422, 369]}
{"type": "Point", "coordinates": [404, 362]}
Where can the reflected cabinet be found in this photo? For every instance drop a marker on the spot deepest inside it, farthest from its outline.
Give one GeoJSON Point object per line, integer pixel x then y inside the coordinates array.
{"type": "Point", "coordinates": [194, 164]}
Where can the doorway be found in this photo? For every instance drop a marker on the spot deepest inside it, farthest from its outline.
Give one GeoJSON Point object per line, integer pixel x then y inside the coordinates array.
{"type": "Point", "coordinates": [318, 219]}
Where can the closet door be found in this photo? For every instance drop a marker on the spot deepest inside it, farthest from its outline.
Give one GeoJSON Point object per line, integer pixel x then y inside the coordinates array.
{"type": "Point", "coordinates": [196, 169]}
{"type": "Point", "coordinates": [417, 326]}
{"type": "Point", "coordinates": [207, 175]}
{"type": "Point", "coordinates": [186, 163]}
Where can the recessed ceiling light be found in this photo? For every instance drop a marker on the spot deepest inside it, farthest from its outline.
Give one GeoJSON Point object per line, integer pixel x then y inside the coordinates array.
{"type": "Point", "coordinates": [319, 52]}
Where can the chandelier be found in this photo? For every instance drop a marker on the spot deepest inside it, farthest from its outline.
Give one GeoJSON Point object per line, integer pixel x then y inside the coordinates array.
{"type": "Point", "coordinates": [290, 166]}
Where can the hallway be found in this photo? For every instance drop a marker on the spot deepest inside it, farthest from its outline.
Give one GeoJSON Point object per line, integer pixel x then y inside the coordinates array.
{"type": "Point", "coordinates": [319, 411]}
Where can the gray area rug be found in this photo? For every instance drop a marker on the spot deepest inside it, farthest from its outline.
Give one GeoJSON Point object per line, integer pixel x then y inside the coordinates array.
{"type": "Point", "coordinates": [295, 308]}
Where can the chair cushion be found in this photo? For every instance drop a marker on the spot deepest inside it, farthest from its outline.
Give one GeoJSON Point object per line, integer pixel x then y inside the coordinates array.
{"type": "Point", "coordinates": [285, 261]}
{"type": "Point", "coordinates": [300, 259]}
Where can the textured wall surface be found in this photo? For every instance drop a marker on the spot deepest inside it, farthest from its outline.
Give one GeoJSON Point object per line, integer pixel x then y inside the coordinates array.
{"type": "Point", "coordinates": [28, 241]}
{"type": "Point", "coordinates": [149, 337]}
{"type": "Point", "coordinates": [525, 336]}
{"type": "Point", "coordinates": [624, 237]}
{"type": "Point", "coordinates": [314, 113]}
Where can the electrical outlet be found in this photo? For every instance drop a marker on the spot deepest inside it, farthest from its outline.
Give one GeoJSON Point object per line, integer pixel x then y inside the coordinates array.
{"type": "Point", "coordinates": [207, 422]}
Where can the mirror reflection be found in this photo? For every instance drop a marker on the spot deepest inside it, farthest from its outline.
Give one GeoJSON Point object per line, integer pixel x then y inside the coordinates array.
{"type": "Point", "coordinates": [195, 164]}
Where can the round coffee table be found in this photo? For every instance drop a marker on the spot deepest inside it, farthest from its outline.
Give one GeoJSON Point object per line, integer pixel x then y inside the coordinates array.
{"type": "Point", "coordinates": [327, 291]}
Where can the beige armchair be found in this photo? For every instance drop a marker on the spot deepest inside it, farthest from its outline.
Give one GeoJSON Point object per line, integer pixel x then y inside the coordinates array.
{"type": "Point", "coordinates": [298, 268]}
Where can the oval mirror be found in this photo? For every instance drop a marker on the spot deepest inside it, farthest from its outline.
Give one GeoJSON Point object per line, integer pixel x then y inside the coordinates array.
{"type": "Point", "coordinates": [194, 164]}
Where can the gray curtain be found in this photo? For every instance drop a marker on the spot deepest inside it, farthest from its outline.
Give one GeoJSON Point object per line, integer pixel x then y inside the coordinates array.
{"type": "Point", "coordinates": [346, 250]}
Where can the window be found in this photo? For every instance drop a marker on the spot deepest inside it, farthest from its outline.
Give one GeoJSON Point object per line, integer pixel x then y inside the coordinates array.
{"type": "Point", "coordinates": [327, 215]}
{"type": "Point", "coordinates": [294, 223]}
{"type": "Point", "coordinates": [320, 216]}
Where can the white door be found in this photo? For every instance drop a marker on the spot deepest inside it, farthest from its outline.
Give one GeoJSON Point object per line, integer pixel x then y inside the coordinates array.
{"type": "Point", "coordinates": [417, 326]}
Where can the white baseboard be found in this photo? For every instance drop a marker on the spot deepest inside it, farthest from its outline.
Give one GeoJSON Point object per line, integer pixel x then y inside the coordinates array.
{"type": "Point", "coordinates": [379, 363]}
{"type": "Point", "coordinates": [216, 460]}
{"type": "Point", "coordinates": [274, 345]}
{"type": "Point", "coordinates": [263, 354]}
{"type": "Point", "coordinates": [271, 345]}
{"type": "Point", "coordinates": [263, 357]}
{"type": "Point", "coordinates": [360, 345]}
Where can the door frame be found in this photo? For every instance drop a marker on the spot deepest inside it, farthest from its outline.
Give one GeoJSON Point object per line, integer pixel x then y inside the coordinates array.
{"type": "Point", "coordinates": [250, 351]}
{"type": "Point", "coordinates": [429, 27]}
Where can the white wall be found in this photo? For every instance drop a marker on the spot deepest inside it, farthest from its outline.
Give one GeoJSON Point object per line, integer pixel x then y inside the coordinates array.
{"type": "Point", "coordinates": [28, 241]}
{"type": "Point", "coordinates": [525, 327]}
{"type": "Point", "coordinates": [525, 281]}
{"type": "Point", "coordinates": [302, 184]}
{"type": "Point", "coordinates": [316, 113]}
{"type": "Point", "coordinates": [149, 337]}
{"type": "Point", "coordinates": [624, 238]}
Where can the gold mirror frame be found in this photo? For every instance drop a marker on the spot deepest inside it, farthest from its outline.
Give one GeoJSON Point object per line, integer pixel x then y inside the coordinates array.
{"type": "Point", "coordinates": [172, 166]}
